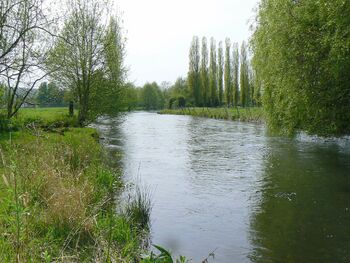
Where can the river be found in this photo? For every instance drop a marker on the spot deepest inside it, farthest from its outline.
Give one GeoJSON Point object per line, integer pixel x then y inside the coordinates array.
{"type": "Point", "coordinates": [228, 187]}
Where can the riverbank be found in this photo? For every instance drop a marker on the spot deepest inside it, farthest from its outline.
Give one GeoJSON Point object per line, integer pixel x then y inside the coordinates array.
{"type": "Point", "coordinates": [58, 195]}
{"type": "Point", "coordinates": [235, 114]}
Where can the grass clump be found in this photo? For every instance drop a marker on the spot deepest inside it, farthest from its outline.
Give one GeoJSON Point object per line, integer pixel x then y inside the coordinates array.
{"type": "Point", "coordinates": [138, 207]}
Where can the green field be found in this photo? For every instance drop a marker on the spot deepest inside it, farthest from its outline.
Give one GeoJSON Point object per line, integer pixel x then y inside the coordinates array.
{"type": "Point", "coordinates": [236, 114]}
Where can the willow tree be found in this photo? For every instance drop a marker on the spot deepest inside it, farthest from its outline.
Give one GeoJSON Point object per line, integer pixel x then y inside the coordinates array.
{"type": "Point", "coordinates": [244, 76]}
{"type": "Point", "coordinates": [227, 72]}
{"type": "Point", "coordinates": [301, 52]}
{"type": "Point", "coordinates": [220, 73]}
{"type": "Point", "coordinates": [88, 58]}
{"type": "Point", "coordinates": [235, 74]}
{"type": "Point", "coordinates": [213, 84]}
{"type": "Point", "coordinates": [204, 73]}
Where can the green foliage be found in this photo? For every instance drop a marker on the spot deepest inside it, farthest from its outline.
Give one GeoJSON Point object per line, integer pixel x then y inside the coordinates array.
{"type": "Point", "coordinates": [163, 257]}
{"type": "Point", "coordinates": [49, 94]}
{"type": "Point", "coordinates": [88, 58]}
{"type": "Point", "coordinates": [244, 77]}
{"type": "Point", "coordinates": [221, 73]}
{"type": "Point", "coordinates": [204, 74]}
{"type": "Point", "coordinates": [193, 78]}
{"type": "Point", "coordinates": [227, 73]}
{"type": "Point", "coordinates": [213, 84]}
{"type": "Point", "coordinates": [301, 52]}
{"type": "Point", "coordinates": [235, 74]}
{"type": "Point", "coordinates": [152, 97]}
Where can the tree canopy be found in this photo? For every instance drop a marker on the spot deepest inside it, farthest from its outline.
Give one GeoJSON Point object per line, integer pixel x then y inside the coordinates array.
{"type": "Point", "coordinates": [301, 52]}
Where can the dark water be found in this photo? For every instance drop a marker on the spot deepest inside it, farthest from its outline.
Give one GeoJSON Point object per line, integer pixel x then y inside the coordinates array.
{"type": "Point", "coordinates": [230, 187]}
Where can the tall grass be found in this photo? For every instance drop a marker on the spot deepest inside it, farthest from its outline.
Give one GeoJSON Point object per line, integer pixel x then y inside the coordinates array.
{"type": "Point", "coordinates": [138, 206]}
{"type": "Point", "coordinates": [56, 201]}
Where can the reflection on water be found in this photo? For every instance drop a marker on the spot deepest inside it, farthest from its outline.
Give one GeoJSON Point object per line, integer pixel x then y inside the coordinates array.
{"type": "Point", "coordinates": [226, 186]}
{"type": "Point", "coordinates": [304, 211]}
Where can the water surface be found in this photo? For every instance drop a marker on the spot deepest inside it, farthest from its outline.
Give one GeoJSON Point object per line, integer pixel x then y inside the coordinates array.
{"type": "Point", "coordinates": [227, 186]}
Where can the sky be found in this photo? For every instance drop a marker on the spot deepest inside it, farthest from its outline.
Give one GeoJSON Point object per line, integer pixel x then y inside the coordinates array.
{"type": "Point", "coordinates": [159, 32]}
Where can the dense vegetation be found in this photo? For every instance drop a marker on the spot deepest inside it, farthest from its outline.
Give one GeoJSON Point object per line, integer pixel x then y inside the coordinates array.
{"type": "Point", "coordinates": [301, 53]}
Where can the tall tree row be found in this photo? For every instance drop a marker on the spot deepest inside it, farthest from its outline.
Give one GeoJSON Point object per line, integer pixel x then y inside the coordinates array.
{"type": "Point", "coordinates": [193, 77]}
{"type": "Point", "coordinates": [229, 78]}
{"type": "Point", "coordinates": [221, 73]}
{"type": "Point", "coordinates": [213, 74]}
{"type": "Point", "coordinates": [235, 74]}
{"type": "Point", "coordinates": [244, 77]}
{"type": "Point", "coordinates": [227, 72]}
{"type": "Point", "coordinates": [204, 73]}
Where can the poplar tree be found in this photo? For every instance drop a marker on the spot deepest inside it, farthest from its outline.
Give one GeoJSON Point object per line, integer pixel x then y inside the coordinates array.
{"type": "Point", "coordinates": [204, 73]}
{"type": "Point", "coordinates": [227, 72]}
{"type": "Point", "coordinates": [244, 76]}
{"type": "Point", "coordinates": [220, 73]}
{"type": "Point", "coordinates": [213, 74]}
{"type": "Point", "coordinates": [235, 74]}
{"type": "Point", "coordinates": [194, 72]}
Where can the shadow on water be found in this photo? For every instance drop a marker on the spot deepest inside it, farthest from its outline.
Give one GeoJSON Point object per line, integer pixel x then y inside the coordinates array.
{"type": "Point", "coordinates": [303, 212]}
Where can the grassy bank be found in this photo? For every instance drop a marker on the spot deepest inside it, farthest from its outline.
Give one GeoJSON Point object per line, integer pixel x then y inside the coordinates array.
{"type": "Point", "coordinates": [236, 114]}
{"type": "Point", "coordinates": [57, 196]}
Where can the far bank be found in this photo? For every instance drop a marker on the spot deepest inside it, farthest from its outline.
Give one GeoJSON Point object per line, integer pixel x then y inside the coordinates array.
{"type": "Point", "coordinates": [253, 114]}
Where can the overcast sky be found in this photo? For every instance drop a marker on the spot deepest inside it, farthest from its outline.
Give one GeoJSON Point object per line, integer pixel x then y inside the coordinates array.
{"type": "Point", "coordinates": [159, 32]}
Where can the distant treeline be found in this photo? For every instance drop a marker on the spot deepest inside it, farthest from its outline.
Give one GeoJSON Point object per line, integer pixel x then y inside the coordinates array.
{"type": "Point", "coordinates": [216, 77]}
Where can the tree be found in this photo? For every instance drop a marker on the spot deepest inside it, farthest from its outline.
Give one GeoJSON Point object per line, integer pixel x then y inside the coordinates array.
{"type": "Point", "coordinates": [227, 73]}
{"type": "Point", "coordinates": [244, 77]}
{"type": "Point", "coordinates": [193, 78]}
{"type": "Point", "coordinates": [213, 74]}
{"type": "Point", "coordinates": [152, 97]}
{"type": "Point", "coordinates": [204, 73]}
{"type": "Point", "coordinates": [301, 52]}
{"type": "Point", "coordinates": [88, 59]}
{"type": "Point", "coordinates": [221, 73]}
{"type": "Point", "coordinates": [49, 94]}
{"type": "Point", "coordinates": [23, 45]}
{"type": "Point", "coordinates": [235, 74]}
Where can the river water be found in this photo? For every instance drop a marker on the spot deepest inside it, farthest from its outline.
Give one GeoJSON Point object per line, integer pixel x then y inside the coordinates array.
{"type": "Point", "coordinates": [229, 187]}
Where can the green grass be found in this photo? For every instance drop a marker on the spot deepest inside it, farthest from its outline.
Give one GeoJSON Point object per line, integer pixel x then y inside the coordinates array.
{"type": "Point", "coordinates": [57, 196]}
{"type": "Point", "coordinates": [254, 114]}
{"type": "Point", "coordinates": [48, 114]}
{"type": "Point", "coordinates": [40, 117]}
